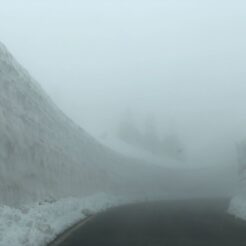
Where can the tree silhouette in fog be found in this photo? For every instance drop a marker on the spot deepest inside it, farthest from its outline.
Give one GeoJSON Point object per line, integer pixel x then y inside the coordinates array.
{"type": "Point", "coordinates": [148, 138]}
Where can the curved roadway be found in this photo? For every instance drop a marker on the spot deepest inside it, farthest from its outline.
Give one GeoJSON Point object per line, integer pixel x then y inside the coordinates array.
{"type": "Point", "coordinates": [173, 223]}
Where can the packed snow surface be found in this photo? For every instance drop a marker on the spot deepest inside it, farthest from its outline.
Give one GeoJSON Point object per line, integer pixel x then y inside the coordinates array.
{"type": "Point", "coordinates": [40, 223]}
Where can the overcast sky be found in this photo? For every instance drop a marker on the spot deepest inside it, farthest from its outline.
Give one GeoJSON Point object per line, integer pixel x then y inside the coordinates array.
{"type": "Point", "coordinates": [183, 61]}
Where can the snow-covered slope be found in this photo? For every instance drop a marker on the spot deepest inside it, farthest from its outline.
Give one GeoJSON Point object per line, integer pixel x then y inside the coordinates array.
{"type": "Point", "coordinates": [43, 154]}
{"type": "Point", "coordinates": [135, 152]}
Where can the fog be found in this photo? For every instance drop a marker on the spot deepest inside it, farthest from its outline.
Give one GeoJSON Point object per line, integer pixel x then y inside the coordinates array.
{"type": "Point", "coordinates": [180, 61]}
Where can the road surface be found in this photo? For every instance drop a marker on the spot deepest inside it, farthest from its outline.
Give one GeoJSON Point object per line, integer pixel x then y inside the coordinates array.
{"type": "Point", "coordinates": [172, 223]}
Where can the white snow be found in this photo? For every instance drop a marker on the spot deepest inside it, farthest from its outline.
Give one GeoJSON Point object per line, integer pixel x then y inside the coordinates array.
{"type": "Point", "coordinates": [238, 207]}
{"type": "Point", "coordinates": [40, 223]}
{"type": "Point", "coordinates": [238, 203]}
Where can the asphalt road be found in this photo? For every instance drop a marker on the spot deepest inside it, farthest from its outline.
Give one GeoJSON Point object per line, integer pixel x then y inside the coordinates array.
{"type": "Point", "coordinates": [173, 223]}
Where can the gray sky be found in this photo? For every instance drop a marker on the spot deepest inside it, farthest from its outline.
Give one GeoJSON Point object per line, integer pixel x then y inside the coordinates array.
{"type": "Point", "coordinates": [182, 60]}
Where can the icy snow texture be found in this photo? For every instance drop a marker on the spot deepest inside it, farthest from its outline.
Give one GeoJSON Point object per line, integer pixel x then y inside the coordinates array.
{"type": "Point", "coordinates": [41, 223]}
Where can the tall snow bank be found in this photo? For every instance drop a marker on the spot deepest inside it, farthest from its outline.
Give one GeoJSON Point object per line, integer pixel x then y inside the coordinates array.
{"type": "Point", "coordinates": [44, 154]}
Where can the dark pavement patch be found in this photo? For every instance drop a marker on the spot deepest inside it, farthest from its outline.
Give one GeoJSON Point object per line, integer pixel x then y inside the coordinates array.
{"type": "Point", "coordinates": [171, 223]}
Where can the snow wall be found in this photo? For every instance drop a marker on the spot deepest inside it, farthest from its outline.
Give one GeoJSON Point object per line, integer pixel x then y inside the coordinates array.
{"type": "Point", "coordinates": [44, 155]}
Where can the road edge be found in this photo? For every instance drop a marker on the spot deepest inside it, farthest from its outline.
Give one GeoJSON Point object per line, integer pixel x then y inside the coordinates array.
{"type": "Point", "coordinates": [63, 236]}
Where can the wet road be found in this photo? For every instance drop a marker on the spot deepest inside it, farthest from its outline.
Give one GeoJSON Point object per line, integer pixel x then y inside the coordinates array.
{"type": "Point", "coordinates": [173, 223]}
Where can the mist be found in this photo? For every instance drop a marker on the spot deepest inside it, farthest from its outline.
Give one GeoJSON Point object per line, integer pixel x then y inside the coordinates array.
{"type": "Point", "coordinates": [180, 61]}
